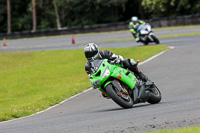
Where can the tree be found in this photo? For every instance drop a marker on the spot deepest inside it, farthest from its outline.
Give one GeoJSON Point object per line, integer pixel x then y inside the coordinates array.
{"type": "Point", "coordinates": [57, 14]}
{"type": "Point", "coordinates": [34, 16]}
{"type": "Point", "coordinates": [141, 9]}
{"type": "Point", "coordinates": [9, 17]}
{"type": "Point", "coordinates": [169, 8]}
{"type": "Point", "coordinates": [77, 13]}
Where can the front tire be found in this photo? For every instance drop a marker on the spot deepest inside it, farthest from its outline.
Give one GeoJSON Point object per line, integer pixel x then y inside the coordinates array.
{"type": "Point", "coordinates": [112, 92]}
{"type": "Point", "coordinates": [155, 94]}
{"type": "Point", "coordinates": [155, 39]}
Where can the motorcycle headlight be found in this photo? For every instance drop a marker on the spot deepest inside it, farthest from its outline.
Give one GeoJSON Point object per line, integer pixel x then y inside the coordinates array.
{"type": "Point", "coordinates": [106, 73]}
{"type": "Point", "coordinates": [144, 32]}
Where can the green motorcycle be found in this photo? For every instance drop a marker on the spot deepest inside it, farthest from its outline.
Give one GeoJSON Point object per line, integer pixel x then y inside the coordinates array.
{"type": "Point", "coordinates": [121, 85]}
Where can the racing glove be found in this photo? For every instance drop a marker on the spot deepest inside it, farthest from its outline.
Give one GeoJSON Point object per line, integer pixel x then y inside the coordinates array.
{"type": "Point", "coordinates": [118, 60]}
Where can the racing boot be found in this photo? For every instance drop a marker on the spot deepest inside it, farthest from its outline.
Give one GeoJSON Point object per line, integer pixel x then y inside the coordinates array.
{"type": "Point", "coordinates": [137, 38]}
{"type": "Point", "coordinates": [133, 67]}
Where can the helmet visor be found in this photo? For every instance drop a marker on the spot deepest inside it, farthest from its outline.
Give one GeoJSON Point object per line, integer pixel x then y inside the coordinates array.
{"type": "Point", "coordinates": [91, 55]}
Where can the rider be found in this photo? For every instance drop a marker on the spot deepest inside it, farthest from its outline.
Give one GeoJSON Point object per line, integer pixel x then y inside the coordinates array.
{"type": "Point", "coordinates": [92, 53]}
{"type": "Point", "coordinates": [133, 25]}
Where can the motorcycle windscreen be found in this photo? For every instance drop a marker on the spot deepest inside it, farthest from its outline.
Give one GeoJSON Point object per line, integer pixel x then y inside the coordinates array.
{"type": "Point", "coordinates": [141, 27]}
{"type": "Point", "coordinates": [95, 65]}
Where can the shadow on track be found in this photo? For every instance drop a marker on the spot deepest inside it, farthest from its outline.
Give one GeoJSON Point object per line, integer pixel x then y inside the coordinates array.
{"type": "Point", "coordinates": [116, 109]}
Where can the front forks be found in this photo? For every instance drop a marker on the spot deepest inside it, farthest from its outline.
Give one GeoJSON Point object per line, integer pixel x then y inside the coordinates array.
{"type": "Point", "coordinates": [120, 90]}
{"type": "Point", "coordinates": [150, 38]}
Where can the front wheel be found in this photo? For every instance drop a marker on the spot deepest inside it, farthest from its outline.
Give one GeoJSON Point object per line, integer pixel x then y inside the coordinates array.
{"type": "Point", "coordinates": [122, 100]}
{"type": "Point", "coordinates": [155, 39]}
{"type": "Point", "coordinates": [155, 94]}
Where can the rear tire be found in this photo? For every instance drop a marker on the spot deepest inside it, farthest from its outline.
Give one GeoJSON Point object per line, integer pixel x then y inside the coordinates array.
{"type": "Point", "coordinates": [117, 99]}
{"type": "Point", "coordinates": [155, 95]}
{"type": "Point", "coordinates": [155, 39]}
{"type": "Point", "coordinates": [146, 43]}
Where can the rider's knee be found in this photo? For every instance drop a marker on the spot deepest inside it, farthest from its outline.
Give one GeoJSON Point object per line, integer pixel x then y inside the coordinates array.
{"type": "Point", "coordinates": [133, 62]}
{"type": "Point", "coordinates": [128, 63]}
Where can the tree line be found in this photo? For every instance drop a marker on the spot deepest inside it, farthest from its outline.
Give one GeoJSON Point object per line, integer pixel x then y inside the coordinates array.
{"type": "Point", "coordinates": [26, 15]}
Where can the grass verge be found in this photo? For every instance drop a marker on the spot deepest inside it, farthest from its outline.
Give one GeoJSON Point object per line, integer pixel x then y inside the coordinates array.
{"type": "Point", "coordinates": [33, 81]}
{"type": "Point", "coordinates": [166, 36]}
{"type": "Point", "coordinates": [91, 33]}
{"type": "Point", "coordinates": [183, 130]}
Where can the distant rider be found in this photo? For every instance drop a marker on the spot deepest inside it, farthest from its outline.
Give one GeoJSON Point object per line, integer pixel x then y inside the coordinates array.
{"type": "Point", "coordinates": [92, 53]}
{"type": "Point", "coordinates": [133, 26]}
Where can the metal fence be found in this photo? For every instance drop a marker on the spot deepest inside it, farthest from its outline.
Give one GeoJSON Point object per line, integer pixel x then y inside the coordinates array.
{"type": "Point", "coordinates": [159, 22]}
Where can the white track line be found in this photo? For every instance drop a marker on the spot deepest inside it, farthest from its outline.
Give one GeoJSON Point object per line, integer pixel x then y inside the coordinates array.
{"type": "Point", "coordinates": [151, 58]}
{"type": "Point", "coordinates": [171, 47]}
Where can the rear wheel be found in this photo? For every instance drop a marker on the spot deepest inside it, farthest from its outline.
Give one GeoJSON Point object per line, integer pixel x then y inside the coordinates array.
{"type": "Point", "coordinates": [155, 39]}
{"type": "Point", "coordinates": [146, 43]}
{"type": "Point", "coordinates": [123, 100]}
{"type": "Point", "coordinates": [155, 94]}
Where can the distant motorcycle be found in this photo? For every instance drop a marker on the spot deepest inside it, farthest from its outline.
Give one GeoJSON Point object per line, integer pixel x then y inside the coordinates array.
{"type": "Point", "coordinates": [146, 34]}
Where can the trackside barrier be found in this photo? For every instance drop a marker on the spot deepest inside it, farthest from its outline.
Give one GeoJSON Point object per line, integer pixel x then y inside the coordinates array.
{"type": "Point", "coordinates": [157, 22]}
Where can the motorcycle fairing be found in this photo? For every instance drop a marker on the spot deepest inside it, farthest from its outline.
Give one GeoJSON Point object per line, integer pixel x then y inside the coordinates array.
{"type": "Point", "coordinates": [115, 70]}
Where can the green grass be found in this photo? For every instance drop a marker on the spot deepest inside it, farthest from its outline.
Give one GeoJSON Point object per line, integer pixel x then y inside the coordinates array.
{"type": "Point", "coordinates": [177, 27]}
{"type": "Point", "coordinates": [183, 130]}
{"type": "Point", "coordinates": [33, 81]}
{"type": "Point", "coordinates": [91, 33]}
{"type": "Point", "coordinates": [180, 35]}
{"type": "Point", "coordinates": [165, 36]}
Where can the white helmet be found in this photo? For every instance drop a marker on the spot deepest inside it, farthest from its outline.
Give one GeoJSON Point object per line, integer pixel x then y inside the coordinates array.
{"type": "Point", "coordinates": [91, 51]}
{"type": "Point", "coordinates": [134, 19]}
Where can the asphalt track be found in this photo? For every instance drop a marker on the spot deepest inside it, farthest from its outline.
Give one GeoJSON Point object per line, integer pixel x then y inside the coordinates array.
{"type": "Point", "coordinates": [65, 42]}
{"type": "Point", "coordinates": [176, 73]}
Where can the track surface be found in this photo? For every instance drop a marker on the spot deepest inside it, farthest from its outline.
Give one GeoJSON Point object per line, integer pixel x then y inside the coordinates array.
{"type": "Point", "coordinates": [65, 42]}
{"type": "Point", "coordinates": [176, 73]}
